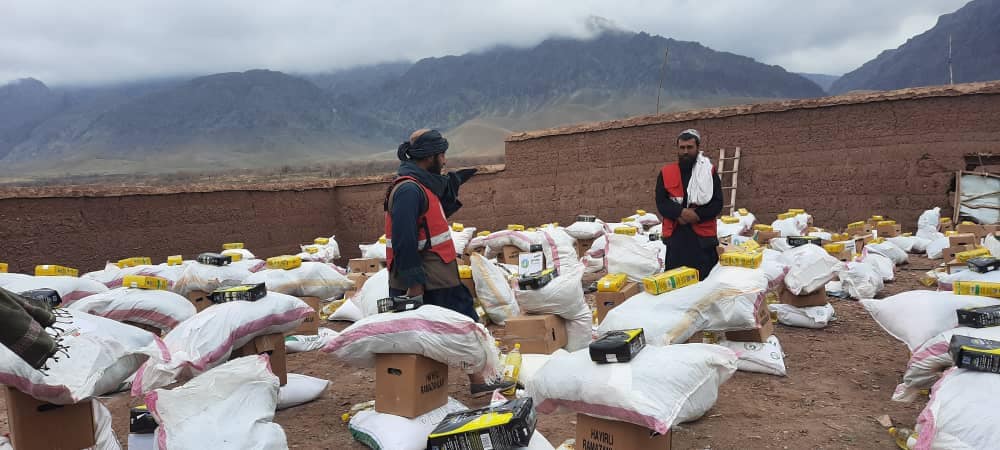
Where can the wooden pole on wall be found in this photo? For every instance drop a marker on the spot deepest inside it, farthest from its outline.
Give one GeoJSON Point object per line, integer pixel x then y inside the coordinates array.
{"type": "Point", "coordinates": [663, 74]}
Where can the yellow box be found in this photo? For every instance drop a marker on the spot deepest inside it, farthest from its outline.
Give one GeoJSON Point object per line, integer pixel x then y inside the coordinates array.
{"type": "Point", "coordinates": [729, 219]}
{"type": "Point", "coordinates": [750, 246]}
{"type": "Point", "coordinates": [797, 211]}
{"type": "Point", "coordinates": [670, 280]}
{"type": "Point", "coordinates": [381, 239]}
{"type": "Point", "coordinates": [515, 227]}
{"type": "Point", "coordinates": [878, 219]}
{"type": "Point", "coordinates": [840, 237]}
{"type": "Point", "coordinates": [763, 227]}
{"type": "Point", "coordinates": [456, 227]}
{"type": "Point", "coordinates": [786, 215]}
{"type": "Point", "coordinates": [284, 262]}
{"type": "Point", "coordinates": [321, 241]}
{"type": "Point", "coordinates": [531, 230]}
{"type": "Point", "coordinates": [627, 231]}
{"type": "Point", "coordinates": [951, 233]}
{"type": "Point", "coordinates": [628, 219]}
{"type": "Point", "coordinates": [856, 225]}
{"type": "Point", "coordinates": [311, 249]}
{"type": "Point", "coordinates": [966, 222]}
{"type": "Point", "coordinates": [944, 220]}
{"type": "Point", "coordinates": [232, 246]}
{"type": "Point", "coordinates": [49, 270]}
{"type": "Point", "coordinates": [135, 261]}
{"type": "Point", "coordinates": [233, 255]}
{"type": "Point", "coordinates": [483, 233]}
{"type": "Point", "coordinates": [883, 223]}
{"type": "Point", "coordinates": [3, 267]}
{"type": "Point", "coordinates": [750, 260]}
{"type": "Point", "coordinates": [175, 260]}
{"type": "Point", "coordinates": [970, 254]}
{"type": "Point", "coordinates": [465, 272]}
{"type": "Point", "coordinates": [983, 288]}
{"type": "Point", "coordinates": [743, 212]}
{"type": "Point", "coordinates": [145, 282]}
{"type": "Point", "coordinates": [612, 282]}
{"type": "Point", "coordinates": [834, 248]}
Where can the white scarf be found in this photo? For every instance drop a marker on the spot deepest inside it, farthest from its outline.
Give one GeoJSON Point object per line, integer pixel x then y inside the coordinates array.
{"type": "Point", "coordinates": [701, 186]}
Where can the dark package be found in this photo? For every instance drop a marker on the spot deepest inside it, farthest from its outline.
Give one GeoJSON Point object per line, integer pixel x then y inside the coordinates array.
{"type": "Point", "coordinates": [798, 241]}
{"type": "Point", "coordinates": [586, 218]}
{"type": "Point", "coordinates": [654, 237]}
{"type": "Point", "coordinates": [982, 317]}
{"type": "Point", "coordinates": [141, 421]}
{"type": "Point", "coordinates": [505, 427]}
{"type": "Point", "coordinates": [984, 264]}
{"type": "Point", "coordinates": [400, 304]}
{"type": "Point", "coordinates": [243, 292]}
{"type": "Point", "coordinates": [971, 353]}
{"type": "Point", "coordinates": [214, 259]}
{"type": "Point", "coordinates": [536, 281]}
{"type": "Point", "coordinates": [617, 346]}
{"type": "Point", "coordinates": [48, 296]}
{"type": "Point", "coordinates": [534, 248]}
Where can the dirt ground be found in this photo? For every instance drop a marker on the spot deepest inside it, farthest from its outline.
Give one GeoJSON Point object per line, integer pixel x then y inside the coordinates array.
{"type": "Point", "coordinates": [839, 379]}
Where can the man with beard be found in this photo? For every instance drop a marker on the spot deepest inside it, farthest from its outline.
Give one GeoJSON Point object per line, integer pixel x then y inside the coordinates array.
{"type": "Point", "coordinates": [420, 254]}
{"type": "Point", "coordinates": [689, 197]}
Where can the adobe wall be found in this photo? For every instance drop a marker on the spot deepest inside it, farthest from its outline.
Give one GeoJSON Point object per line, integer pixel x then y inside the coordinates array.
{"type": "Point", "coordinates": [842, 158]}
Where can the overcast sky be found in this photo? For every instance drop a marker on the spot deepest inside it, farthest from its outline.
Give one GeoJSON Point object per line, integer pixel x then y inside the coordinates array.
{"type": "Point", "coordinates": [94, 41]}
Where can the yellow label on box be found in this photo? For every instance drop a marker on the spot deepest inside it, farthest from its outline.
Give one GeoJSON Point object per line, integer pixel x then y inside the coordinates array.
{"type": "Point", "coordinates": [135, 261]}
{"type": "Point", "coordinates": [951, 233]}
{"type": "Point", "coordinates": [787, 215]}
{"type": "Point", "coordinates": [531, 230]}
{"type": "Point", "coordinates": [483, 233]}
{"type": "Point", "coordinates": [885, 223]}
{"type": "Point", "coordinates": [3, 267]}
{"type": "Point", "coordinates": [729, 219]}
{"type": "Point", "coordinates": [232, 246]}
{"type": "Point", "coordinates": [51, 270]}
{"type": "Point", "coordinates": [834, 248]}
{"type": "Point", "coordinates": [145, 282]}
{"type": "Point", "coordinates": [966, 222]}
{"type": "Point", "coordinates": [465, 272]}
{"type": "Point", "coordinates": [750, 246]}
{"type": "Point", "coordinates": [983, 288]}
{"type": "Point", "coordinates": [970, 254]}
{"type": "Point", "coordinates": [628, 219]}
{"type": "Point", "coordinates": [944, 220]}
{"type": "Point", "coordinates": [743, 212]}
{"type": "Point", "coordinates": [840, 237]}
{"type": "Point", "coordinates": [284, 262]}
{"type": "Point", "coordinates": [612, 282]}
{"type": "Point", "coordinates": [175, 260]}
{"type": "Point", "coordinates": [457, 227]}
{"type": "Point", "coordinates": [627, 231]}
{"type": "Point", "coordinates": [797, 211]}
{"type": "Point", "coordinates": [670, 280]}
{"type": "Point", "coordinates": [750, 260]}
{"type": "Point", "coordinates": [763, 227]}
{"type": "Point", "coordinates": [234, 256]}
{"type": "Point", "coordinates": [641, 212]}
{"type": "Point", "coordinates": [877, 218]}
{"type": "Point", "coordinates": [321, 241]}
{"type": "Point", "coordinates": [856, 225]}
{"type": "Point", "coordinates": [311, 249]}
{"type": "Point", "coordinates": [515, 227]}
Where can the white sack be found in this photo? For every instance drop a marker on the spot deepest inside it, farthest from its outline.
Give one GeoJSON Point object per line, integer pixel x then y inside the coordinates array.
{"type": "Point", "coordinates": [927, 223]}
{"type": "Point", "coordinates": [493, 290]}
{"type": "Point", "coordinates": [761, 357]}
{"type": "Point", "coordinates": [375, 251]}
{"type": "Point", "coordinates": [808, 317]}
{"type": "Point", "coordinates": [647, 220]}
{"type": "Point", "coordinates": [931, 360]}
{"type": "Point", "coordinates": [207, 278]}
{"type": "Point", "coordinates": [348, 311]}
{"type": "Point", "coordinates": [520, 239]}
{"type": "Point", "coordinates": [306, 343]}
{"type": "Point", "coordinates": [390, 432]}
{"type": "Point", "coordinates": [882, 265]}
{"type": "Point", "coordinates": [207, 339]}
{"type": "Point", "coordinates": [559, 248]}
{"type": "Point", "coordinates": [229, 407]}
{"type": "Point", "coordinates": [586, 230]}
{"type": "Point", "coordinates": [461, 238]}
{"type": "Point", "coordinates": [563, 296]}
{"type": "Point", "coordinates": [70, 289]}
{"type": "Point", "coordinates": [434, 332]}
{"type": "Point", "coordinates": [935, 250]}
{"type": "Point", "coordinates": [859, 279]}
{"type": "Point", "coordinates": [311, 279]}
{"type": "Point", "coordinates": [591, 264]}
{"type": "Point", "coordinates": [809, 268]}
{"type": "Point", "coordinates": [914, 317]}
{"type": "Point", "coordinates": [625, 255]}
{"type": "Point", "coordinates": [160, 309]}
{"type": "Point", "coordinates": [780, 244]}
{"type": "Point", "coordinates": [375, 289]}
{"type": "Point", "coordinates": [905, 243]}
{"type": "Point", "coordinates": [825, 236]}
{"type": "Point", "coordinates": [946, 281]}
{"type": "Point", "coordinates": [795, 226]}
{"type": "Point", "coordinates": [660, 388]}
{"type": "Point", "coordinates": [300, 389]}
{"type": "Point", "coordinates": [889, 250]}
{"type": "Point", "coordinates": [725, 301]}
{"type": "Point", "coordinates": [112, 275]}
{"type": "Point", "coordinates": [728, 229]}
{"type": "Point", "coordinates": [960, 414]}
{"type": "Point", "coordinates": [993, 245]}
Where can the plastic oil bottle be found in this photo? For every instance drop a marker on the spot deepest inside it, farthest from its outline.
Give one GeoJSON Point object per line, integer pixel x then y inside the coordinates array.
{"type": "Point", "coordinates": [905, 437]}
{"type": "Point", "coordinates": [512, 368]}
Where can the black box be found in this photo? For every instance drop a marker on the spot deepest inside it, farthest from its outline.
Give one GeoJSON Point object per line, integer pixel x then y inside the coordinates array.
{"type": "Point", "coordinates": [617, 346]}
{"type": "Point", "coordinates": [654, 237]}
{"type": "Point", "coordinates": [981, 317]}
{"type": "Point", "coordinates": [400, 304]}
{"type": "Point", "coordinates": [982, 355]}
{"type": "Point", "coordinates": [214, 259]}
{"type": "Point", "coordinates": [586, 218]}
{"type": "Point", "coordinates": [537, 280]}
{"type": "Point", "coordinates": [798, 241]}
{"type": "Point", "coordinates": [141, 421]}
{"type": "Point", "coordinates": [49, 297]}
{"type": "Point", "coordinates": [984, 264]}
{"type": "Point", "coordinates": [243, 292]}
{"type": "Point", "coordinates": [505, 427]}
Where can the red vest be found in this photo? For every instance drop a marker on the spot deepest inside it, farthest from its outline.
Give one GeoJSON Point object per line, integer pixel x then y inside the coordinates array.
{"type": "Point", "coordinates": [433, 232]}
{"type": "Point", "coordinates": [674, 184]}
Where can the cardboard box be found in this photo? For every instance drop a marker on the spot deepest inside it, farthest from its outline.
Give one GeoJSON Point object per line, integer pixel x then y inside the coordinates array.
{"type": "Point", "coordinates": [359, 280]}
{"type": "Point", "coordinates": [889, 230]}
{"type": "Point", "coordinates": [273, 344]}
{"type": "Point", "coordinates": [37, 425]}
{"type": "Point", "coordinates": [606, 301]}
{"type": "Point", "coordinates": [974, 229]}
{"type": "Point", "coordinates": [844, 255]}
{"type": "Point", "coordinates": [949, 253]}
{"type": "Point", "coordinates": [817, 298]}
{"type": "Point", "coordinates": [962, 239]}
{"type": "Point", "coordinates": [947, 226]}
{"type": "Point", "coordinates": [310, 326]}
{"type": "Point", "coordinates": [538, 334]}
{"type": "Point", "coordinates": [509, 254]}
{"type": "Point", "coordinates": [594, 433]}
{"type": "Point", "coordinates": [764, 237]}
{"type": "Point", "coordinates": [409, 385]}
{"type": "Point", "coordinates": [765, 328]}
{"type": "Point", "coordinates": [200, 300]}
{"type": "Point", "coordinates": [583, 246]}
{"type": "Point", "coordinates": [364, 265]}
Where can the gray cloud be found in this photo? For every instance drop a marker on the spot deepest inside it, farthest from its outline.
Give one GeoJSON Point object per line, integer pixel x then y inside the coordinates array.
{"type": "Point", "coordinates": [67, 42]}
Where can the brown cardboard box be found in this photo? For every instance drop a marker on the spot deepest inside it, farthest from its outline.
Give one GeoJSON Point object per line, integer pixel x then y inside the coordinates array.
{"type": "Point", "coordinates": [274, 344]}
{"type": "Point", "coordinates": [949, 253]}
{"type": "Point", "coordinates": [974, 229]}
{"type": "Point", "coordinates": [845, 255]}
{"type": "Point", "coordinates": [37, 425]}
{"type": "Point", "coordinates": [594, 433]}
{"type": "Point", "coordinates": [311, 324]}
{"type": "Point", "coordinates": [889, 230]}
{"type": "Point", "coordinates": [817, 298]}
{"type": "Point", "coordinates": [539, 334]}
{"type": "Point", "coordinates": [350, 293]}
{"type": "Point", "coordinates": [943, 227]}
{"type": "Point", "coordinates": [409, 385]}
{"type": "Point", "coordinates": [962, 239]}
{"type": "Point", "coordinates": [583, 246]}
{"type": "Point", "coordinates": [764, 237]}
{"type": "Point", "coordinates": [364, 265]}
{"type": "Point", "coordinates": [200, 300]}
{"type": "Point", "coordinates": [606, 301]}
{"type": "Point", "coordinates": [765, 328]}
{"type": "Point", "coordinates": [508, 255]}
{"type": "Point", "coordinates": [359, 280]}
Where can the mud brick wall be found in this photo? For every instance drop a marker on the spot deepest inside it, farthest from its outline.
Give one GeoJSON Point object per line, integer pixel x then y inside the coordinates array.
{"type": "Point", "coordinates": [841, 158]}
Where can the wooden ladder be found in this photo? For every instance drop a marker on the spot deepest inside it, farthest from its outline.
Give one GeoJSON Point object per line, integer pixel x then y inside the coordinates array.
{"type": "Point", "coordinates": [734, 173]}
